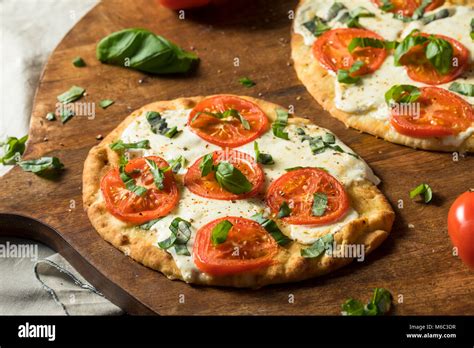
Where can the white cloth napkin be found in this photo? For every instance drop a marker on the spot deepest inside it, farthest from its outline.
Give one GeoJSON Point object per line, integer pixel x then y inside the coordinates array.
{"type": "Point", "coordinates": [29, 32]}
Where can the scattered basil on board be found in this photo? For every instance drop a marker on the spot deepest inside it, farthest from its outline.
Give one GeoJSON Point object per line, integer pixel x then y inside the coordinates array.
{"type": "Point", "coordinates": [78, 62]}
{"type": "Point", "coordinates": [145, 51]}
{"type": "Point", "coordinates": [45, 166]}
{"type": "Point", "coordinates": [105, 103]}
{"type": "Point", "coordinates": [424, 191]}
{"type": "Point", "coordinates": [71, 95]}
{"type": "Point", "coordinates": [379, 304]}
{"type": "Point", "coordinates": [246, 82]}
{"type": "Point", "coordinates": [13, 149]}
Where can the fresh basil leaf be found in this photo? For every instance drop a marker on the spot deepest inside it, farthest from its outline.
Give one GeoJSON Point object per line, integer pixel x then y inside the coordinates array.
{"type": "Point", "coordinates": [278, 127]}
{"type": "Point", "coordinates": [329, 138]}
{"type": "Point", "coordinates": [300, 131]}
{"type": "Point", "coordinates": [147, 225]}
{"type": "Point", "coordinates": [78, 62]}
{"type": "Point", "coordinates": [351, 18]}
{"type": "Point", "coordinates": [50, 116]}
{"type": "Point", "coordinates": [318, 247]}
{"type": "Point", "coordinates": [420, 11]}
{"type": "Point", "coordinates": [105, 103]}
{"type": "Point", "coordinates": [263, 158]}
{"type": "Point", "coordinates": [66, 114]}
{"type": "Point", "coordinates": [171, 132]}
{"type": "Point", "coordinates": [71, 95]}
{"type": "Point", "coordinates": [220, 231]}
{"type": "Point", "coordinates": [344, 76]}
{"type": "Point", "coordinates": [177, 163]}
{"type": "Point", "coordinates": [159, 125]}
{"type": "Point", "coordinates": [361, 12]}
{"type": "Point", "coordinates": [236, 114]}
{"type": "Point", "coordinates": [440, 53]}
{"type": "Point", "coordinates": [130, 183]}
{"type": "Point", "coordinates": [423, 190]}
{"type": "Point", "coordinates": [402, 94]}
{"type": "Point", "coordinates": [334, 10]}
{"type": "Point", "coordinates": [179, 237]}
{"type": "Point", "coordinates": [317, 26]}
{"type": "Point", "coordinates": [231, 179]}
{"type": "Point", "coordinates": [181, 249]}
{"type": "Point", "coordinates": [43, 166]}
{"type": "Point", "coordinates": [381, 300]}
{"type": "Point", "coordinates": [271, 227]}
{"type": "Point", "coordinates": [443, 13]}
{"type": "Point", "coordinates": [284, 210]}
{"type": "Point", "coordinates": [320, 204]}
{"type": "Point", "coordinates": [168, 242]}
{"type": "Point", "coordinates": [352, 308]}
{"type": "Point", "coordinates": [387, 6]}
{"type": "Point", "coordinates": [466, 89]}
{"type": "Point", "coordinates": [246, 82]}
{"type": "Point", "coordinates": [379, 304]}
{"type": "Point", "coordinates": [120, 145]}
{"type": "Point", "coordinates": [206, 165]}
{"type": "Point", "coordinates": [13, 149]}
{"type": "Point", "coordinates": [407, 43]}
{"type": "Point", "coordinates": [365, 42]}
{"type": "Point", "coordinates": [142, 50]}
{"type": "Point", "coordinates": [158, 175]}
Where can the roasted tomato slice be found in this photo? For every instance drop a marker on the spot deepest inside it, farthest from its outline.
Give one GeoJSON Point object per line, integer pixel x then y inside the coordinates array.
{"type": "Point", "coordinates": [440, 113]}
{"type": "Point", "coordinates": [298, 188]}
{"type": "Point", "coordinates": [248, 247]}
{"type": "Point", "coordinates": [420, 69]}
{"type": "Point", "coordinates": [407, 7]}
{"type": "Point", "coordinates": [207, 186]}
{"type": "Point", "coordinates": [331, 50]}
{"type": "Point", "coordinates": [229, 131]}
{"type": "Point", "coordinates": [129, 207]}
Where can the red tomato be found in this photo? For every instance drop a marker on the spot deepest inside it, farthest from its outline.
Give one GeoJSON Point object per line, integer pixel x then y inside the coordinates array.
{"type": "Point", "coordinates": [330, 49]}
{"type": "Point", "coordinates": [297, 189]}
{"type": "Point", "coordinates": [228, 132]}
{"type": "Point", "coordinates": [183, 4]}
{"type": "Point", "coordinates": [408, 7]}
{"type": "Point", "coordinates": [420, 69]}
{"type": "Point", "coordinates": [208, 186]}
{"type": "Point", "coordinates": [441, 113]}
{"type": "Point", "coordinates": [126, 205]}
{"type": "Point", "coordinates": [461, 227]}
{"type": "Point", "coordinates": [248, 247]}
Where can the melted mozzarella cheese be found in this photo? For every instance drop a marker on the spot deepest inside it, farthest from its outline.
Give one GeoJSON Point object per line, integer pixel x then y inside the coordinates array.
{"type": "Point", "coordinates": [286, 154]}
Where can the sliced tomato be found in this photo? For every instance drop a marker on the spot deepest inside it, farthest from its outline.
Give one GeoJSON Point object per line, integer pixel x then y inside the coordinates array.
{"type": "Point", "coordinates": [420, 69]}
{"type": "Point", "coordinates": [331, 50]}
{"type": "Point", "coordinates": [129, 207]}
{"type": "Point", "coordinates": [440, 113]}
{"type": "Point", "coordinates": [298, 187]}
{"type": "Point", "coordinates": [227, 132]}
{"type": "Point", "coordinates": [248, 247]}
{"type": "Point", "coordinates": [208, 186]}
{"type": "Point", "coordinates": [407, 7]}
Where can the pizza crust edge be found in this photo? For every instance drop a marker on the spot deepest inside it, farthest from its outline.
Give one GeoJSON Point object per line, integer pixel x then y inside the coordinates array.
{"type": "Point", "coordinates": [371, 228]}
{"type": "Point", "coordinates": [320, 84]}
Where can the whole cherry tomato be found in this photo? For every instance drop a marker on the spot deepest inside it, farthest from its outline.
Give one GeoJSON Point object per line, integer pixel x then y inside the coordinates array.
{"type": "Point", "coordinates": [461, 227]}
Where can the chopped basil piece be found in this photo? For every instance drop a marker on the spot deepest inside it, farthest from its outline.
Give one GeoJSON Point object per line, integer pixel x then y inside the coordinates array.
{"type": "Point", "coordinates": [120, 145]}
{"type": "Point", "coordinates": [78, 62]}
{"type": "Point", "coordinates": [142, 50]}
{"type": "Point", "coordinates": [179, 237]}
{"type": "Point", "coordinates": [466, 89]}
{"type": "Point", "coordinates": [177, 163]}
{"type": "Point", "coordinates": [104, 104]}
{"type": "Point", "coordinates": [66, 114]}
{"type": "Point", "coordinates": [13, 148]}
{"type": "Point", "coordinates": [407, 43]}
{"type": "Point", "coordinates": [329, 138]}
{"type": "Point", "coordinates": [334, 10]}
{"type": "Point", "coordinates": [320, 204]}
{"type": "Point", "coordinates": [130, 183]}
{"type": "Point", "coordinates": [420, 11]}
{"type": "Point", "coordinates": [365, 42]}
{"type": "Point", "coordinates": [435, 16]}
{"type": "Point", "coordinates": [344, 76]}
{"type": "Point", "coordinates": [271, 227]}
{"type": "Point", "coordinates": [220, 232]}
{"type": "Point", "coordinates": [351, 18]}
{"type": "Point", "coordinates": [263, 158]}
{"type": "Point", "coordinates": [206, 165]}
{"type": "Point", "coordinates": [71, 95]}
{"type": "Point", "coordinates": [158, 174]}
{"type": "Point", "coordinates": [245, 81]}
{"type": "Point", "coordinates": [44, 166]}
{"type": "Point", "coordinates": [284, 210]}
{"type": "Point", "coordinates": [225, 114]}
{"type": "Point", "coordinates": [319, 144]}
{"type": "Point", "coordinates": [318, 247]}
{"type": "Point", "coordinates": [423, 190]}
{"type": "Point", "coordinates": [50, 116]}
{"type": "Point", "coordinates": [278, 127]}
{"type": "Point", "coordinates": [231, 179]}
{"type": "Point", "coordinates": [317, 26]}
{"type": "Point", "coordinates": [300, 131]}
{"type": "Point", "coordinates": [402, 94]}
{"type": "Point", "coordinates": [159, 125]}
{"type": "Point", "coordinates": [379, 304]}
{"type": "Point", "coordinates": [147, 225]}
{"type": "Point", "coordinates": [387, 5]}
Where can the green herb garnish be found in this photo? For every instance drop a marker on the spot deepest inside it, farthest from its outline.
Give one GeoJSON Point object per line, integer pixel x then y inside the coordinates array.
{"type": "Point", "coordinates": [466, 89]}
{"type": "Point", "coordinates": [271, 227]}
{"type": "Point", "coordinates": [263, 158]}
{"type": "Point", "coordinates": [130, 183]}
{"type": "Point", "coordinates": [351, 18]}
{"type": "Point", "coordinates": [223, 115]}
{"type": "Point", "coordinates": [120, 145]}
{"type": "Point", "coordinates": [318, 247]}
{"type": "Point", "coordinates": [158, 174]}
{"type": "Point", "coordinates": [13, 149]}
{"type": "Point", "coordinates": [284, 210]}
{"type": "Point", "coordinates": [220, 232]}
{"type": "Point", "coordinates": [66, 114]}
{"type": "Point", "coordinates": [334, 10]}
{"type": "Point", "coordinates": [50, 116]}
{"type": "Point", "coordinates": [105, 103]}
{"type": "Point", "coordinates": [344, 76]}
{"type": "Point", "coordinates": [231, 179]}
{"type": "Point", "coordinates": [245, 81]}
{"type": "Point", "coordinates": [149, 224]}
{"type": "Point", "coordinates": [320, 204]}
{"type": "Point", "coordinates": [317, 26]}
{"type": "Point", "coordinates": [78, 62]}
{"type": "Point", "coordinates": [44, 166]}
{"type": "Point", "coordinates": [207, 164]}
{"type": "Point", "coordinates": [159, 125]}
{"type": "Point", "coordinates": [278, 127]}
{"type": "Point", "coordinates": [179, 237]}
{"type": "Point", "coordinates": [424, 191]}
{"type": "Point", "coordinates": [177, 163]}
{"type": "Point", "coordinates": [71, 95]}
{"type": "Point", "coordinates": [402, 94]}
{"type": "Point", "coordinates": [379, 304]}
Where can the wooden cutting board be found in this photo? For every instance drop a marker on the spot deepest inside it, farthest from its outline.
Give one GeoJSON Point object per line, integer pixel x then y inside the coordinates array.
{"type": "Point", "coordinates": [415, 263]}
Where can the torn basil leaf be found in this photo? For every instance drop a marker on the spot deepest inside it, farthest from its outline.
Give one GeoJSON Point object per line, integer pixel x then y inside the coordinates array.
{"type": "Point", "coordinates": [231, 179]}
{"type": "Point", "coordinates": [319, 144]}
{"type": "Point", "coordinates": [159, 125]}
{"type": "Point", "coordinates": [177, 163]}
{"type": "Point", "coordinates": [206, 165]}
{"type": "Point", "coordinates": [352, 308]}
{"type": "Point", "coordinates": [157, 173]}
{"type": "Point", "coordinates": [420, 10]}
{"type": "Point", "coordinates": [284, 210]}
{"type": "Point", "coordinates": [317, 26]}
{"type": "Point", "coordinates": [365, 42]}
{"type": "Point", "coordinates": [278, 127]}
{"type": "Point", "coordinates": [44, 166]}
{"type": "Point", "coordinates": [424, 191]}
{"type": "Point", "coordinates": [402, 94]}
{"type": "Point", "coordinates": [320, 204]}
{"type": "Point", "coordinates": [78, 62]}
{"type": "Point", "coordinates": [344, 76]}
{"type": "Point", "coordinates": [74, 93]}
{"type": "Point", "coordinates": [263, 158]}
{"type": "Point", "coordinates": [318, 247]}
{"type": "Point", "coordinates": [440, 53]}
{"type": "Point", "coordinates": [220, 231]}
{"type": "Point", "coordinates": [271, 227]}
{"type": "Point", "coordinates": [351, 18]}
{"type": "Point", "coordinates": [466, 89]}
{"type": "Point", "coordinates": [246, 82]}
{"type": "Point", "coordinates": [66, 114]}
{"type": "Point", "coordinates": [147, 225]}
{"type": "Point", "coordinates": [334, 10]}
{"type": "Point", "coordinates": [120, 145]}
{"type": "Point", "coordinates": [142, 50]}
{"type": "Point", "coordinates": [105, 103]}
{"type": "Point", "coordinates": [13, 149]}
{"type": "Point", "coordinates": [379, 304]}
{"type": "Point", "coordinates": [179, 237]}
{"type": "Point", "coordinates": [222, 115]}
{"type": "Point", "coordinates": [443, 13]}
{"type": "Point", "coordinates": [50, 116]}
{"type": "Point", "coordinates": [130, 183]}
{"type": "Point", "coordinates": [387, 6]}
